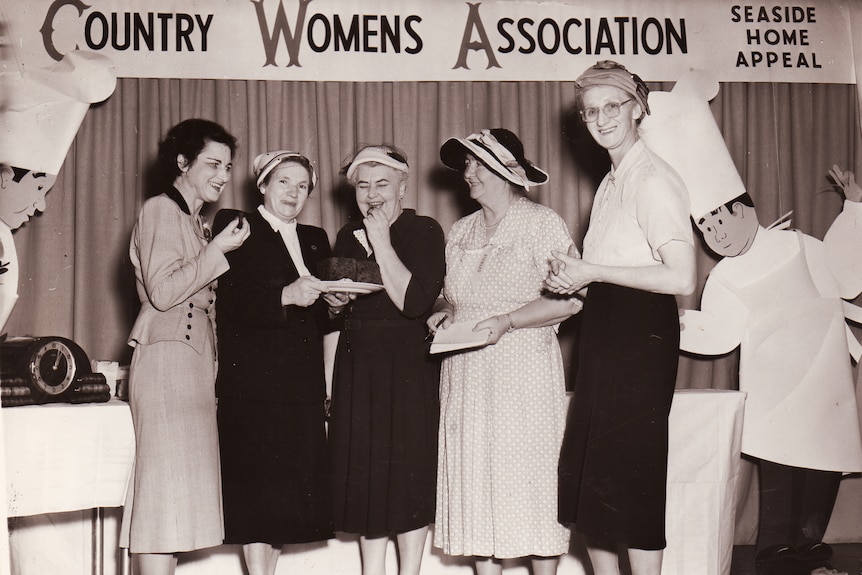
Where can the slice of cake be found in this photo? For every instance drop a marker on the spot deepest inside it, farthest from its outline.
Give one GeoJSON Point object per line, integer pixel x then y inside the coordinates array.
{"type": "Point", "coordinates": [334, 269]}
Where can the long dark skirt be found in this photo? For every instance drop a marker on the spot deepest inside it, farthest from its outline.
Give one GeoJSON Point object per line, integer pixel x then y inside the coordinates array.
{"type": "Point", "coordinates": [383, 432]}
{"type": "Point", "coordinates": [613, 462]}
{"type": "Point", "coordinates": [275, 472]}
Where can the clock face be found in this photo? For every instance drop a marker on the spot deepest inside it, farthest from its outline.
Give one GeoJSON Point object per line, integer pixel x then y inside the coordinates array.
{"type": "Point", "coordinates": [53, 367]}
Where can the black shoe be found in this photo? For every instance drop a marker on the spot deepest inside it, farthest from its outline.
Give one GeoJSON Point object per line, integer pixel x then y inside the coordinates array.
{"type": "Point", "coordinates": [815, 552]}
{"type": "Point", "coordinates": [779, 560]}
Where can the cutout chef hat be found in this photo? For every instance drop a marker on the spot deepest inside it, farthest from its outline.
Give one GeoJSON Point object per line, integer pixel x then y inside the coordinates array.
{"type": "Point", "coordinates": [682, 130]}
{"type": "Point", "coordinates": [42, 109]}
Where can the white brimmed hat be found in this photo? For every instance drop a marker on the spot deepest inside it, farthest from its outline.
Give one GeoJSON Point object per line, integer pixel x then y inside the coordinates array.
{"type": "Point", "coordinates": [500, 150]}
{"type": "Point", "coordinates": [378, 155]}
{"type": "Point", "coordinates": [265, 163]}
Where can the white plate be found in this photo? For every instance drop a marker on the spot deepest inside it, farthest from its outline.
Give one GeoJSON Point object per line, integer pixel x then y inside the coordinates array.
{"type": "Point", "coordinates": [352, 287]}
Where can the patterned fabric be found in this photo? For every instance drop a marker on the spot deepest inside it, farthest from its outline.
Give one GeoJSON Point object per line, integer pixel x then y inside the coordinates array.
{"type": "Point", "coordinates": [502, 406]}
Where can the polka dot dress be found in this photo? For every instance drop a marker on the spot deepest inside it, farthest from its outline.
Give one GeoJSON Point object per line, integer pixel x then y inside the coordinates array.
{"type": "Point", "coordinates": [502, 406]}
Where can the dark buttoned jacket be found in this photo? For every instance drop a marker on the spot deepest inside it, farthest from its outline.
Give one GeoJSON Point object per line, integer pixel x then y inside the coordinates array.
{"type": "Point", "coordinates": [268, 351]}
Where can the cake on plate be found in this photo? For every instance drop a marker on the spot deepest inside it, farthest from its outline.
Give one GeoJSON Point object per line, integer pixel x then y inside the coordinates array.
{"type": "Point", "coordinates": [334, 269]}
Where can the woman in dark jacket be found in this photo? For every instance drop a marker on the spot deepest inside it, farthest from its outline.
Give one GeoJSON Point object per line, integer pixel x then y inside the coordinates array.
{"type": "Point", "coordinates": [270, 384]}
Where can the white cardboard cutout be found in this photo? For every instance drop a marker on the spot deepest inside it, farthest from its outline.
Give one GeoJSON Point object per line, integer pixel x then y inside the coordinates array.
{"type": "Point", "coordinates": [780, 301]}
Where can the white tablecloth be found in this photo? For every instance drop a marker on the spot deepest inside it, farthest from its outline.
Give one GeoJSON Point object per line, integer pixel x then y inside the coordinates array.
{"type": "Point", "coordinates": [703, 468]}
{"type": "Point", "coordinates": [63, 457]}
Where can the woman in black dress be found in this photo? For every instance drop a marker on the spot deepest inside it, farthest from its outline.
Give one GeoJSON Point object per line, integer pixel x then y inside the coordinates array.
{"type": "Point", "coordinates": [385, 403]}
{"type": "Point", "coordinates": [270, 383]}
{"type": "Point", "coordinates": [638, 254]}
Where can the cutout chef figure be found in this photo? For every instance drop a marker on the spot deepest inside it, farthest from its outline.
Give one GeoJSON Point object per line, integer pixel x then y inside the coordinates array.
{"type": "Point", "coordinates": [778, 294]}
{"type": "Point", "coordinates": [40, 113]}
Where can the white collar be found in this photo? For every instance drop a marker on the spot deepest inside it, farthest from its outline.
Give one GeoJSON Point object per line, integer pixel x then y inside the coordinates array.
{"type": "Point", "coordinates": [274, 222]}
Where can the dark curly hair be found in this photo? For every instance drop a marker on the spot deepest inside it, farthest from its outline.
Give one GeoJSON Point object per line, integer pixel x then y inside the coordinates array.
{"type": "Point", "coordinates": [189, 138]}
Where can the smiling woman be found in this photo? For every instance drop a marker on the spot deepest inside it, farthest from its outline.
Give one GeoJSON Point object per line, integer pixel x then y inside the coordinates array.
{"type": "Point", "coordinates": [638, 254]}
{"type": "Point", "coordinates": [270, 385]}
{"type": "Point", "coordinates": [174, 502]}
{"type": "Point", "coordinates": [384, 472]}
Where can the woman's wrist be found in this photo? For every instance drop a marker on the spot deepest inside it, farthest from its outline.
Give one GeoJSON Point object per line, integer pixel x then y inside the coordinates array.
{"type": "Point", "coordinates": [507, 318]}
{"type": "Point", "coordinates": [443, 306]}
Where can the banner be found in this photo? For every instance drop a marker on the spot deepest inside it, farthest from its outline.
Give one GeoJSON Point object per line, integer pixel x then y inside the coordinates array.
{"type": "Point", "coordinates": [440, 40]}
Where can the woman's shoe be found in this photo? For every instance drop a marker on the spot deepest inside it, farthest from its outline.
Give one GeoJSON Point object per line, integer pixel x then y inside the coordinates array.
{"type": "Point", "coordinates": [779, 560]}
{"type": "Point", "coordinates": [814, 551]}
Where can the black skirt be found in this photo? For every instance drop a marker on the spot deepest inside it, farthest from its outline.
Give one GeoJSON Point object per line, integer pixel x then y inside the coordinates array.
{"type": "Point", "coordinates": [275, 478]}
{"type": "Point", "coordinates": [613, 462]}
{"type": "Point", "coordinates": [383, 433]}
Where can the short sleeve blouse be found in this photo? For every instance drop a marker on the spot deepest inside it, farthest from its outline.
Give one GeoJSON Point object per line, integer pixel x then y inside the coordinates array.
{"type": "Point", "coordinates": [639, 207]}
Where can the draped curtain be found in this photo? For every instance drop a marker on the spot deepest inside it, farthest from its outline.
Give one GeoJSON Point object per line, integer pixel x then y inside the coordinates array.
{"type": "Point", "coordinates": [76, 279]}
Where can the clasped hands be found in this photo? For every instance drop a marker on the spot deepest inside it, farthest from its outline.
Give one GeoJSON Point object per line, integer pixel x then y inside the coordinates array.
{"type": "Point", "coordinates": [568, 273]}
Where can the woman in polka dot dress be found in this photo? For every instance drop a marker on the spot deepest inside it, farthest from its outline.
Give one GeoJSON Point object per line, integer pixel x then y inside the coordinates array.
{"type": "Point", "coordinates": [502, 405]}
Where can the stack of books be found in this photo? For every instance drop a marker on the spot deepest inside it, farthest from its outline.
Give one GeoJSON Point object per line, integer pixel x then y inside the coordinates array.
{"type": "Point", "coordinates": [89, 388]}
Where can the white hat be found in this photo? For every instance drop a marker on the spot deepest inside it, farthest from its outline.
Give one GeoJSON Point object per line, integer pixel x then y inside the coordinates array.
{"type": "Point", "coordinates": [265, 163]}
{"type": "Point", "coordinates": [380, 155]}
{"type": "Point", "coordinates": [682, 130]}
{"type": "Point", "coordinates": [43, 108]}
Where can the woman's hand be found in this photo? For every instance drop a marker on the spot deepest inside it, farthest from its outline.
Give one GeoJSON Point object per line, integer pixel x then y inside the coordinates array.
{"type": "Point", "coordinates": [337, 301]}
{"type": "Point", "coordinates": [232, 236]}
{"type": "Point", "coordinates": [569, 273]}
{"type": "Point", "coordinates": [303, 292]}
{"type": "Point", "coordinates": [497, 327]}
{"type": "Point", "coordinates": [377, 228]}
{"type": "Point", "coordinates": [847, 182]}
{"type": "Point", "coordinates": [439, 320]}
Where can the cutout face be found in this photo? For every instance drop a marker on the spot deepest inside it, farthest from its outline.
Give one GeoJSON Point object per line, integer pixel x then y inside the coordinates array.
{"type": "Point", "coordinates": [22, 194]}
{"type": "Point", "coordinates": [729, 233]}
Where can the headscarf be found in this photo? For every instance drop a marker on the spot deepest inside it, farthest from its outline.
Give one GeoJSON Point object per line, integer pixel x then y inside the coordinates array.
{"type": "Point", "coordinates": [610, 73]}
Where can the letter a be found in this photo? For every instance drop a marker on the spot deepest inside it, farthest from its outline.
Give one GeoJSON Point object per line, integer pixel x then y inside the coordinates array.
{"type": "Point", "coordinates": [474, 21]}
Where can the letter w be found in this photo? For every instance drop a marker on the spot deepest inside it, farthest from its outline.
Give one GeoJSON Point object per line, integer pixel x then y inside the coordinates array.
{"type": "Point", "coordinates": [281, 28]}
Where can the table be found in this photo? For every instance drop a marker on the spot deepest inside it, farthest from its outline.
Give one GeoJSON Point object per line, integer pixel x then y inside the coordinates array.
{"type": "Point", "coordinates": [705, 434]}
{"type": "Point", "coordinates": [62, 458]}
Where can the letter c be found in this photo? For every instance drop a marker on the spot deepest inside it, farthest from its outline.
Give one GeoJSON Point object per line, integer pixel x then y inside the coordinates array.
{"type": "Point", "coordinates": [47, 28]}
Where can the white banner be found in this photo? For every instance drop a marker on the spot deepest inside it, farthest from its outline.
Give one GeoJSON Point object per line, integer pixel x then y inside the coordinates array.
{"type": "Point", "coordinates": [406, 40]}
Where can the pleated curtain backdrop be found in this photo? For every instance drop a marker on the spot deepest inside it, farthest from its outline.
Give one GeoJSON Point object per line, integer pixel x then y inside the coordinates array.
{"type": "Point", "coordinates": [76, 279]}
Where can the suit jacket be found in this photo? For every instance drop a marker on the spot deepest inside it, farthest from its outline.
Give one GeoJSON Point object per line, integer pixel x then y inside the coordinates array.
{"type": "Point", "coordinates": [175, 272]}
{"type": "Point", "coordinates": [268, 351]}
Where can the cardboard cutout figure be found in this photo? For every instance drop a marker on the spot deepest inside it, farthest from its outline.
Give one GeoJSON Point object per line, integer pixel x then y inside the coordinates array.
{"type": "Point", "coordinates": [40, 113]}
{"type": "Point", "coordinates": [778, 295]}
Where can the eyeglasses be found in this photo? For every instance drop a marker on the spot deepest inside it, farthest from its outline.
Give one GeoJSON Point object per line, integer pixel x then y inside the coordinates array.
{"type": "Point", "coordinates": [611, 110]}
